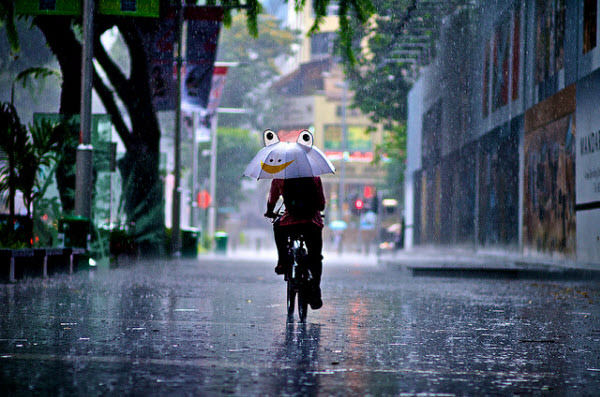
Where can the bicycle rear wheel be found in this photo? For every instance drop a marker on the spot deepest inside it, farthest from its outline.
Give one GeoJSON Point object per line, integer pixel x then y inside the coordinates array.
{"type": "Point", "coordinates": [302, 304]}
{"type": "Point", "coordinates": [291, 297]}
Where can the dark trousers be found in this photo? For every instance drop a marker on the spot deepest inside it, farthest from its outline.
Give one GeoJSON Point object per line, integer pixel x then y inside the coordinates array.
{"type": "Point", "coordinates": [314, 244]}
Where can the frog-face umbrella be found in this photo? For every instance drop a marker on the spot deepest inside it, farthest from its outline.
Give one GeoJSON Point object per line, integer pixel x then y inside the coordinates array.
{"type": "Point", "coordinates": [286, 160]}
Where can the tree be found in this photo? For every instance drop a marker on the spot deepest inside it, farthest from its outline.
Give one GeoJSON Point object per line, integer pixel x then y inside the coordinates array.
{"type": "Point", "coordinates": [235, 148]}
{"type": "Point", "coordinates": [139, 129]}
{"type": "Point", "coordinates": [381, 85]}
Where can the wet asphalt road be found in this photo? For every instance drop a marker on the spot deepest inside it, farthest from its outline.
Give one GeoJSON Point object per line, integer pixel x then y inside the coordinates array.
{"type": "Point", "coordinates": [217, 327]}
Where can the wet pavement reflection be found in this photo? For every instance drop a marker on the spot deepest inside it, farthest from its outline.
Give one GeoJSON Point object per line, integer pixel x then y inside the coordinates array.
{"type": "Point", "coordinates": [219, 327]}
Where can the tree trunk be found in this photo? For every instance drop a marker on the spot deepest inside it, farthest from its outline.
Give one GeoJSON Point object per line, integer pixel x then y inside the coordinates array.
{"type": "Point", "coordinates": [142, 189]}
{"type": "Point", "coordinates": [66, 48]}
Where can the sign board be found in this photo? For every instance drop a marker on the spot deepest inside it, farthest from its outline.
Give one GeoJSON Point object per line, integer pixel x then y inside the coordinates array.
{"type": "Point", "coordinates": [133, 8]}
{"type": "Point", "coordinates": [48, 7]}
{"type": "Point", "coordinates": [587, 168]}
{"type": "Point", "coordinates": [203, 128]}
{"type": "Point", "coordinates": [204, 199]}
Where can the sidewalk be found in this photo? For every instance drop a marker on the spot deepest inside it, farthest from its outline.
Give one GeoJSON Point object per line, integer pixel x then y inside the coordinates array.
{"type": "Point", "coordinates": [465, 262]}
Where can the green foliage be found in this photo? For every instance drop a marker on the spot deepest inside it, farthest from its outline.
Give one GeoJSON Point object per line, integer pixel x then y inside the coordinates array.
{"type": "Point", "coordinates": [391, 153]}
{"type": "Point", "coordinates": [7, 18]}
{"type": "Point", "coordinates": [380, 85]}
{"type": "Point", "coordinates": [45, 225]}
{"type": "Point", "coordinates": [359, 10]}
{"type": "Point", "coordinates": [31, 155]}
{"type": "Point", "coordinates": [27, 76]}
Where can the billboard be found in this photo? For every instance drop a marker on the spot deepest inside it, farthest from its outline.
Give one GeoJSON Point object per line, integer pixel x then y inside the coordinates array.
{"type": "Point", "coordinates": [133, 8]}
{"type": "Point", "coordinates": [587, 169]}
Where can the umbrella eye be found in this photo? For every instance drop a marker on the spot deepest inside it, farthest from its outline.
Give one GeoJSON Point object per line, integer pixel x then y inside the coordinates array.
{"type": "Point", "coordinates": [270, 138]}
{"type": "Point", "coordinates": [270, 161]}
{"type": "Point", "coordinates": [305, 138]}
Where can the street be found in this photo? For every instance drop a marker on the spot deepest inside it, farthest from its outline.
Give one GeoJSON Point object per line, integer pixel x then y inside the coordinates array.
{"type": "Point", "coordinates": [217, 326]}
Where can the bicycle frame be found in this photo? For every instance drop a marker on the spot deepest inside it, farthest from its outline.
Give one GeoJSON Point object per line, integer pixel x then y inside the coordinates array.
{"type": "Point", "coordinates": [298, 278]}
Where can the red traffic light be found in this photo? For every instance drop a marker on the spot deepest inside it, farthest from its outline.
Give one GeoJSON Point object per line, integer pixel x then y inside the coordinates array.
{"type": "Point", "coordinates": [359, 204]}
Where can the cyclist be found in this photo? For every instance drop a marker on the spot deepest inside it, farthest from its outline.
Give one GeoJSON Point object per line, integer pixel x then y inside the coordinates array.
{"type": "Point", "coordinates": [304, 200]}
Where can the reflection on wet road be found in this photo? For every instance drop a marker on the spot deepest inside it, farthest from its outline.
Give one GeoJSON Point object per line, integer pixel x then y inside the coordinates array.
{"type": "Point", "coordinates": [218, 327]}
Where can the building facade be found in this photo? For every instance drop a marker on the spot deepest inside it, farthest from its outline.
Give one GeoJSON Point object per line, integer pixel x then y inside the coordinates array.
{"type": "Point", "coordinates": [503, 141]}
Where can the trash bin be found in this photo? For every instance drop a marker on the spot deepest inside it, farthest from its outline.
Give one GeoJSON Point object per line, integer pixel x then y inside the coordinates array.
{"type": "Point", "coordinates": [75, 231]}
{"type": "Point", "coordinates": [221, 242]}
{"type": "Point", "coordinates": [189, 242]}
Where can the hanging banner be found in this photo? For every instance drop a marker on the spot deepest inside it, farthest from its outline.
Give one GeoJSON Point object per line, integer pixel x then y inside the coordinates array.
{"type": "Point", "coordinates": [201, 51]}
{"type": "Point", "coordinates": [158, 37]}
{"type": "Point", "coordinates": [207, 116]}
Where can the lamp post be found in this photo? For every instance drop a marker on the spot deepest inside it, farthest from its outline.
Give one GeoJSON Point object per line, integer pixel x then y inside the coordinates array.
{"type": "Point", "coordinates": [176, 209]}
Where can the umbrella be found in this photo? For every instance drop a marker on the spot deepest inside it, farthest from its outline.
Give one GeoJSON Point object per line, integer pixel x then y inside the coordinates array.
{"type": "Point", "coordinates": [286, 160]}
{"type": "Point", "coordinates": [337, 225]}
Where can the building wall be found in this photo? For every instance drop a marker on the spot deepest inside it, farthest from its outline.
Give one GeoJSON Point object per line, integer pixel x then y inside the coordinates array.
{"type": "Point", "coordinates": [507, 125]}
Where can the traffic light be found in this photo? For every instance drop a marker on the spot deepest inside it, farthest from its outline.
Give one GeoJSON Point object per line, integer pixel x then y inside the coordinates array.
{"type": "Point", "coordinates": [359, 204]}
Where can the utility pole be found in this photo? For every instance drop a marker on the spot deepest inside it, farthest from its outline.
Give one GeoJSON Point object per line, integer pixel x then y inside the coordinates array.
{"type": "Point", "coordinates": [193, 202]}
{"type": "Point", "coordinates": [341, 192]}
{"type": "Point", "coordinates": [176, 211]}
{"type": "Point", "coordinates": [83, 176]}
{"type": "Point", "coordinates": [212, 187]}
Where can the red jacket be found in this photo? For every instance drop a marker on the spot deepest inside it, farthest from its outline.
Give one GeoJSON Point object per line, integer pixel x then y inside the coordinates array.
{"type": "Point", "coordinates": [288, 219]}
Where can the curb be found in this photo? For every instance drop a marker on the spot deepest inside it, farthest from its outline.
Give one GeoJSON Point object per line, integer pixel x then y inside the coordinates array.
{"type": "Point", "coordinates": [484, 265]}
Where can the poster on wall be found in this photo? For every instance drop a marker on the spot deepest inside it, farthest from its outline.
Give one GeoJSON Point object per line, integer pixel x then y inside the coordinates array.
{"type": "Point", "coordinates": [587, 170]}
{"type": "Point", "coordinates": [549, 187]}
{"type": "Point", "coordinates": [501, 61]}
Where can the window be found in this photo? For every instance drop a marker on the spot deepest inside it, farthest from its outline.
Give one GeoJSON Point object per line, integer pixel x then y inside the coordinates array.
{"type": "Point", "coordinates": [128, 5]}
{"type": "Point", "coordinates": [590, 14]}
{"type": "Point", "coordinates": [321, 44]}
{"type": "Point", "coordinates": [47, 4]}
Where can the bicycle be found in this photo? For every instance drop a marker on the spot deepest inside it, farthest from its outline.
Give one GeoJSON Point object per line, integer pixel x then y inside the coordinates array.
{"type": "Point", "coordinates": [297, 276]}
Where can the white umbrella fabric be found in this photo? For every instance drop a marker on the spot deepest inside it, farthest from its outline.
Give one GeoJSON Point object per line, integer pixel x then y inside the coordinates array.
{"type": "Point", "coordinates": [286, 160]}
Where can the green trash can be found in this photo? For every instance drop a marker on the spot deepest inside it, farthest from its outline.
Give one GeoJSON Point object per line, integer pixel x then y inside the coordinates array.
{"type": "Point", "coordinates": [189, 242]}
{"type": "Point", "coordinates": [221, 242]}
{"type": "Point", "coordinates": [75, 231]}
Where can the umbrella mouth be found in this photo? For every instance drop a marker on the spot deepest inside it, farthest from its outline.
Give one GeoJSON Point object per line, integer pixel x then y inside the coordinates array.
{"type": "Point", "coordinates": [273, 169]}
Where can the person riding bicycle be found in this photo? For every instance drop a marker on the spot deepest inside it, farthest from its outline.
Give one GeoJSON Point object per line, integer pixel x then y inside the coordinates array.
{"type": "Point", "coordinates": [304, 200]}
